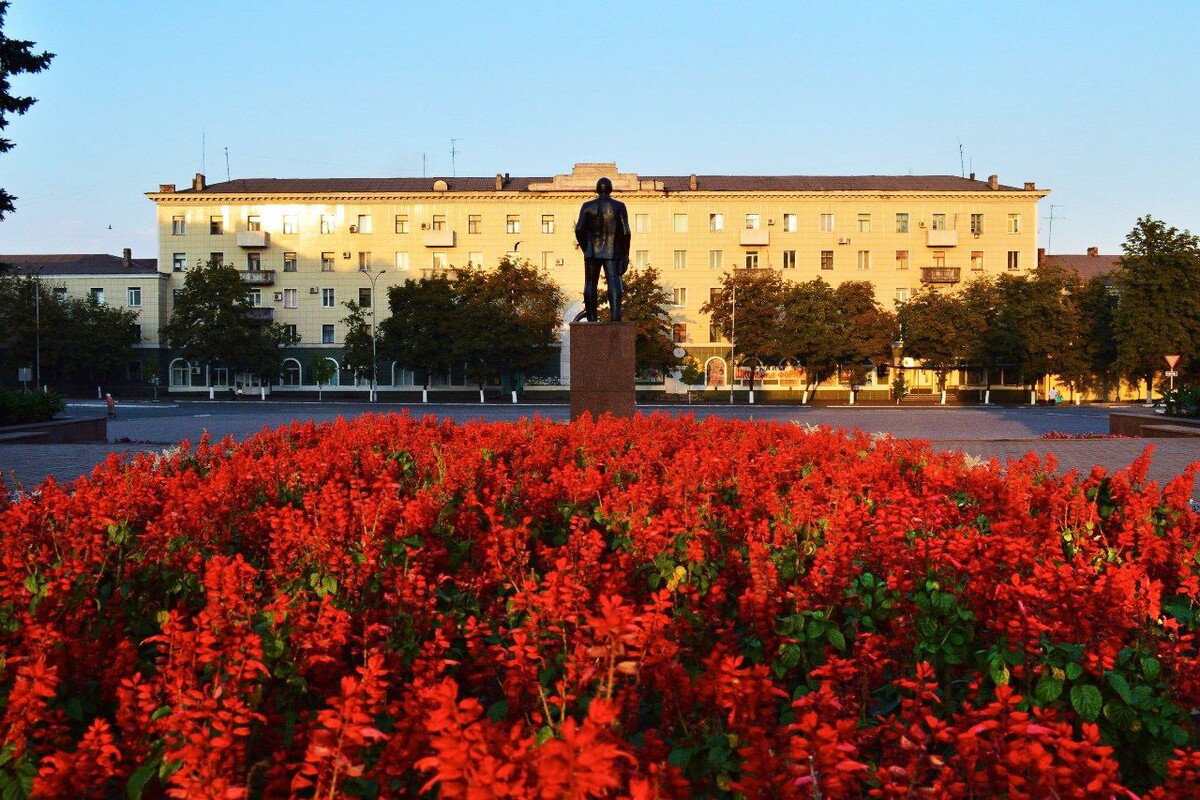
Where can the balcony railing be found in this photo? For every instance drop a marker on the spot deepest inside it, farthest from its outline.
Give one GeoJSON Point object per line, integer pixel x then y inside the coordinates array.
{"type": "Point", "coordinates": [253, 238]}
{"type": "Point", "coordinates": [441, 238]}
{"type": "Point", "coordinates": [259, 277]}
{"type": "Point", "coordinates": [940, 274]}
{"type": "Point", "coordinates": [261, 314]}
{"type": "Point", "coordinates": [941, 238]}
{"type": "Point", "coordinates": [755, 237]}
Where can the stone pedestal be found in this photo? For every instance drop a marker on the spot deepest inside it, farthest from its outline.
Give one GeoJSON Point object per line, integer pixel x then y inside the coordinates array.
{"type": "Point", "coordinates": [602, 368]}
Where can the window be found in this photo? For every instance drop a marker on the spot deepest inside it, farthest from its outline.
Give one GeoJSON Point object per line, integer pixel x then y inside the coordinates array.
{"type": "Point", "coordinates": [326, 262]}
{"type": "Point", "coordinates": [254, 222]}
{"type": "Point", "coordinates": [716, 259]}
{"type": "Point", "coordinates": [716, 222]}
{"type": "Point", "coordinates": [512, 224]}
{"type": "Point", "coordinates": [752, 222]}
{"type": "Point", "coordinates": [178, 226]}
{"type": "Point", "coordinates": [328, 298]}
{"type": "Point", "coordinates": [327, 334]}
{"type": "Point", "coordinates": [216, 225]}
{"type": "Point", "coordinates": [364, 297]}
{"type": "Point", "coordinates": [291, 298]}
{"type": "Point", "coordinates": [901, 223]}
{"type": "Point", "coordinates": [789, 223]}
{"type": "Point", "coordinates": [977, 260]}
{"type": "Point", "coordinates": [178, 262]}
{"type": "Point", "coordinates": [977, 224]}
{"type": "Point", "coordinates": [402, 223]}
{"type": "Point", "coordinates": [1014, 223]}
{"type": "Point", "coordinates": [864, 223]}
{"type": "Point", "coordinates": [827, 223]}
{"type": "Point", "coordinates": [547, 259]}
{"type": "Point", "coordinates": [679, 332]}
{"type": "Point", "coordinates": [255, 296]}
{"type": "Point", "coordinates": [679, 297]}
{"type": "Point", "coordinates": [789, 259]}
{"type": "Point", "coordinates": [939, 222]}
{"type": "Point", "coordinates": [364, 260]}
{"type": "Point", "coordinates": [254, 262]}
{"type": "Point", "coordinates": [327, 224]}
{"type": "Point", "coordinates": [641, 223]}
{"type": "Point", "coordinates": [290, 225]}
{"type": "Point", "coordinates": [1014, 259]}
{"type": "Point", "coordinates": [826, 259]}
{"type": "Point", "coordinates": [97, 295]}
{"type": "Point", "coordinates": [439, 222]}
{"type": "Point", "coordinates": [402, 262]}
{"type": "Point", "coordinates": [289, 262]}
{"type": "Point", "coordinates": [751, 259]}
{"type": "Point", "coordinates": [679, 223]}
{"type": "Point", "coordinates": [902, 295]}
{"type": "Point", "coordinates": [641, 258]}
{"type": "Point", "coordinates": [714, 333]}
{"type": "Point", "coordinates": [901, 259]}
{"type": "Point", "coordinates": [547, 223]}
{"type": "Point", "coordinates": [475, 258]}
{"type": "Point", "coordinates": [134, 296]}
{"type": "Point", "coordinates": [680, 259]}
{"type": "Point", "coordinates": [439, 261]}
{"type": "Point", "coordinates": [864, 259]}
{"type": "Point", "coordinates": [364, 223]}
{"type": "Point", "coordinates": [136, 330]}
{"type": "Point", "coordinates": [939, 258]}
{"type": "Point", "coordinates": [474, 223]}
{"type": "Point", "coordinates": [289, 330]}
{"type": "Point", "coordinates": [61, 292]}
{"type": "Point", "coordinates": [216, 258]}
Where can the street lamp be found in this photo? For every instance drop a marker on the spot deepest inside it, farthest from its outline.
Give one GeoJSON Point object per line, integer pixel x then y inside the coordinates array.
{"type": "Point", "coordinates": [374, 276]}
{"type": "Point", "coordinates": [37, 323]}
{"type": "Point", "coordinates": [732, 336]}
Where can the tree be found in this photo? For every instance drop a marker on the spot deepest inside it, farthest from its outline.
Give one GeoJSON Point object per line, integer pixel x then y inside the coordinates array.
{"type": "Point", "coordinates": [809, 330]}
{"type": "Point", "coordinates": [982, 302]}
{"type": "Point", "coordinates": [357, 355]}
{"type": "Point", "coordinates": [645, 305]}
{"type": "Point", "coordinates": [510, 317]}
{"type": "Point", "coordinates": [934, 328]}
{"type": "Point", "coordinates": [16, 58]}
{"type": "Point", "coordinates": [422, 332]}
{"type": "Point", "coordinates": [323, 371]}
{"type": "Point", "coordinates": [1159, 307]}
{"type": "Point", "coordinates": [213, 321]}
{"type": "Point", "coordinates": [1097, 302]}
{"type": "Point", "coordinates": [747, 311]}
{"type": "Point", "coordinates": [865, 330]}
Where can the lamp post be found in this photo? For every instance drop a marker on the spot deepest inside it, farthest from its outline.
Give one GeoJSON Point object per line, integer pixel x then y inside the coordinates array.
{"type": "Point", "coordinates": [732, 337]}
{"type": "Point", "coordinates": [374, 276]}
{"type": "Point", "coordinates": [37, 324]}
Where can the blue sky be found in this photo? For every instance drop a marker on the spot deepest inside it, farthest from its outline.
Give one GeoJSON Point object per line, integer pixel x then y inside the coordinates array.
{"type": "Point", "coordinates": [1096, 101]}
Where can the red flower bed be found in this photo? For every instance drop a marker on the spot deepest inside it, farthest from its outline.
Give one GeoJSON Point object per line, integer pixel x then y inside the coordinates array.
{"type": "Point", "coordinates": [649, 608]}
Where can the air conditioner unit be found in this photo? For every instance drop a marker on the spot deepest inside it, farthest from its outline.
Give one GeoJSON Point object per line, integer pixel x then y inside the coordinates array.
{"type": "Point", "coordinates": [346, 254]}
{"type": "Point", "coordinates": [424, 226]}
{"type": "Point", "coordinates": [921, 224]}
{"type": "Point", "coordinates": [558, 262]}
{"type": "Point", "coordinates": [354, 229]}
{"type": "Point", "coordinates": [770, 222]}
{"type": "Point", "coordinates": [279, 297]}
{"type": "Point", "coordinates": [843, 241]}
{"type": "Point", "coordinates": [312, 290]}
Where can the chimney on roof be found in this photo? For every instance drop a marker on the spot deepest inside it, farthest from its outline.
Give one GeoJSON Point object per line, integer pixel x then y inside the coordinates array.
{"type": "Point", "coordinates": [972, 176]}
{"type": "Point", "coordinates": [1094, 252]}
{"type": "Point", "coordinates": [499, 181]}
{"type": "Point", "coordinates": [1041, 255]}
{"type": "Point", "coordinates": [693, 182]}
{"type": "Point", "coordinates": [127, 258]}
{"type": "Point", "coordinates": [1030, 186]}
{"type": "Point", "coordinates": [166, 188]}
{"type": "Point", "coordinates": [198, 182]}
{"type": "Point", "coordinates": [993, 182]}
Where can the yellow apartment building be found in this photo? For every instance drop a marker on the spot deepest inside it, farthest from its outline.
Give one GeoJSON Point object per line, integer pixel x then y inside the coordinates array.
{"type": "Point", "coordinates": [306, 246]}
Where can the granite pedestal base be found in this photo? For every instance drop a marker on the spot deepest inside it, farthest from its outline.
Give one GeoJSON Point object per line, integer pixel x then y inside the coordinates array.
{"type": "Point", "coordinates": [602, 368]}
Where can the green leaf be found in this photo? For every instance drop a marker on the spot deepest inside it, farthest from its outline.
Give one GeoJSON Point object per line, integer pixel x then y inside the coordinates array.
{"type": "Point", "coordinates": [1120, 686]}
{"type": "Point", "coordinates": [837, 639]}
{"type": "Point", "coordinates": [1073, 671]}
{"type": "Point", "coordinates": [1048, 689]}
{"type": "Point", "coordinates": [1086, 701]}
{"type": "Point", "coordinates": [999, 672]}
{"type": "Point", "coordinates": [141, 776]}
{"type": "Point", "coordinates": [1150, 667]}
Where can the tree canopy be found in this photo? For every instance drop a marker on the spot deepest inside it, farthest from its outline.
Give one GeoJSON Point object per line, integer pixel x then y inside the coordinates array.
{"type": "Point", "coordinates": [646, 305]}
{"type": "Point", "coordinates": [747, 311]}
{"type": "Point", "coordinates": [16, 58]}
{"type": "Point", "coordinates": [421, 332]}
{"type": "Point", "coordinates": [935, 330]}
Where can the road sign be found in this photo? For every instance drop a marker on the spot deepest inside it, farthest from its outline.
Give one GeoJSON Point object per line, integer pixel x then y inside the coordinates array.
{"type": "Point", "coordinates": [1172, 360]}
{"type": "Point", "coordinates": [1171, 373]}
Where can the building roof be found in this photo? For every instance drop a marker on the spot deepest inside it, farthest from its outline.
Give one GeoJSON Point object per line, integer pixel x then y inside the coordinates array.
{"type": "Point", "coordinates": [1088, 265]}
{"type": "Point", "coordinates": [64, 264]}
{"type": "Point", "coordinates": [668, 183]}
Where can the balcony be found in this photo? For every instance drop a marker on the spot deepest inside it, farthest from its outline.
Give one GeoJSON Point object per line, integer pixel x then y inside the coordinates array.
{"type": "Point", "coordinates": [259, 277]}
{"type": "Point", "coordinates": [439, 238]}
{"type": "Point", "coordinates": [940, 274]}
{"type": "Point", "coordinates": [260, 314]}
{"type": "Point", "coordinates": [941, 238]}
{"type": "Point", "coordinates": [253, 239]}
{"type": "Point", "coordinates": [755, 237]}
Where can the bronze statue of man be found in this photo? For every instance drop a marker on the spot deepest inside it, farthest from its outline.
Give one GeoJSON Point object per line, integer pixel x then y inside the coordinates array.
{"type": "Point", "coordinates": [603, 233]}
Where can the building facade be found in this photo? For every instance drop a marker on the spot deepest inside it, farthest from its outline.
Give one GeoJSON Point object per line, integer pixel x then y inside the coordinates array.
{"type": "Point", "coordinates": [305, 246]}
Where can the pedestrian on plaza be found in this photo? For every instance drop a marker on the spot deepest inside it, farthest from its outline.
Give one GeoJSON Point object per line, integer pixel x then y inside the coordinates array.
{"type": "Point", "coordinates": [112, 405]}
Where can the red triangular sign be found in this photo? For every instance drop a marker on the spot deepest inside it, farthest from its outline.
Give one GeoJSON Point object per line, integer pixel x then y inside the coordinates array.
{"type": "Point", "coordinates": [1171, 361]}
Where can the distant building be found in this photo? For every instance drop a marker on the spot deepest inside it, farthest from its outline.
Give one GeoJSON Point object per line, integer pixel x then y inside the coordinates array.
{"type": "Point", "coordinates": [1086, 266]}
{"type": "Point", "coordinates": [303, 244]}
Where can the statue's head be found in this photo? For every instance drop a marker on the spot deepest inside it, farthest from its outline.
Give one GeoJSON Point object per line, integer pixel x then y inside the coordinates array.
{"type": "Point", "coordinates": [604, 186]}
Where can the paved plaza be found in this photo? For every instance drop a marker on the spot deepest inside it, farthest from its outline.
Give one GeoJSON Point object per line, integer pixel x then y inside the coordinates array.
{"type": "Point", "coordinates": [998, 432]}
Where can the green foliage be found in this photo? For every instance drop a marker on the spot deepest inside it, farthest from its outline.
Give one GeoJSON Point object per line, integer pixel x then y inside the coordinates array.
{"type": "Point", "coordinates": [1183, 402]}
{"type": "Point", "coordinates": [865, 329]}
{"type": "Point", "coordinates": [945, 629]}
{"type": "Point", "coordinates": [935, 329]}
{"type": "Point", "coordinates": [421, 333]}
{"type": "Point", "coordinates": [20, 408]}
{"type": "Point", "coordinates": [646, 305]}
{"type": "Point", "coordinates": [357, 355]}
{"type": "Point", "coordinates": [751, 299]}
{"type": "Point", "coordinates": [1097, 302]}
{"type": "Point", "coordinates": [16, 58]}
{"type": "Point", "coordinates": [809, 329]}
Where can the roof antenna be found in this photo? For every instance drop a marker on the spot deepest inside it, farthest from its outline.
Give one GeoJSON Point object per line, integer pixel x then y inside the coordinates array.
{"type": "Point", "coordinates": [962, 169]}
{"type": "Point", "coordinates": [423, 165]}
{"type": "Point", "coordinates": [227, 163]}
{"type": "Point", "coordinates": [1050, 227]}
{"type": "Point", "coordinates": [453, 153]}
{"type": "Point", "coordinates": [203, 153]}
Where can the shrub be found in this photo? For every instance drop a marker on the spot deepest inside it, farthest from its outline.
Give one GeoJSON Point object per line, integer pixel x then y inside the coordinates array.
{"type": "Point", "coordinates": [1183, 402]}
{"type": "Point", "coordinates": [22, 408]}
{"type": "Point", "coordinates": [656, 607]}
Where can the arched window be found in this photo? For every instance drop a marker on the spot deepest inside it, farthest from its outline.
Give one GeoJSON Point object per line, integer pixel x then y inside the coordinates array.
{"type": "Point", "coordinates": [181, 373]}
{"type": "Point", "coordinates": [402, 376]}
{"type": "Point", "coordinates": [714, 372]}
{"type": "Point", "coordinates": [336, 380]}
{"type": "Point", "coordinates": [291, 372]}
